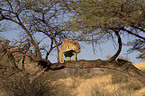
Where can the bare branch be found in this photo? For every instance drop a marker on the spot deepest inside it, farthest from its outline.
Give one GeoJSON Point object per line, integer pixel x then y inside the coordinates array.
{"type": "Point", "coordinates": [141, 29]}
{"type": "Point", "coordinates": [133, 33]}
{"type": "Point", "coordinates": [10, 5]}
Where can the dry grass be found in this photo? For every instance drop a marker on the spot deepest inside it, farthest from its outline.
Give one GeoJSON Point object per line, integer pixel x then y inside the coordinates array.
{"type": "Point", "coordinates": [141, 92]}
{"type": "Point", "coordinates": [14, 83]}
{"type": "Point", "coordinates": [19, 85]}
{"type": "Point", "coordinates": [100, 85]}
{"type": "Point", "coordinates": [70, 82]}
{"type": "Point", "coordinates": [140, 66]}
{"type": "Point", "coordinates": [73, 82]}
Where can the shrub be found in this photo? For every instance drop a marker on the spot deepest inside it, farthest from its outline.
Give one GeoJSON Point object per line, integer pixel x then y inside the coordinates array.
{"type": "Point", "coordinates": [20, 86]}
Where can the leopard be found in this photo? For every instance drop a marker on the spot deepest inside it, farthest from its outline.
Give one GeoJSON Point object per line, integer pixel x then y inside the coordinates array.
{"type": "Point", "coordinates": [69, 48]}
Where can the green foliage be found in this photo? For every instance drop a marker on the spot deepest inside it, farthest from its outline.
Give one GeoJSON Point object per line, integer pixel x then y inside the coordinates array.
{"type": "Point", "coordinates": [92, 14]}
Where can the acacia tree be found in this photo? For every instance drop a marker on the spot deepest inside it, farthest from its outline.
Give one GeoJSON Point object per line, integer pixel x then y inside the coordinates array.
{"type": "Point", "coordinates": [99, 19]}
{"type": "Point", "coordinates": [94, 20]}
{"type": "Point", "coordinates": [33, 17]}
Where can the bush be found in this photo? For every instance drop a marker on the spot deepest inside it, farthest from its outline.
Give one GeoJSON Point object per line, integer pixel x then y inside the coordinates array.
{"type": "Point", "coordinates": [118, 77]}
{"type": "Point", "coordinates": [20, 86]}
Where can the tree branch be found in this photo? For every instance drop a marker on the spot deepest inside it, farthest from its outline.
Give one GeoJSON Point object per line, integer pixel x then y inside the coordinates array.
{"type": "Point", "coordinates": [56, 43]}
{"type": "Point", "coordinates": [141, 29]}
{"type": "Point", "coordinates": [10, 56]}
{"type": "Point", "coordinates": [133, 33]}
{"type": "Point", "coordinates": [50, 49]}
{"type": "Point", "coordinates": [27, 31]}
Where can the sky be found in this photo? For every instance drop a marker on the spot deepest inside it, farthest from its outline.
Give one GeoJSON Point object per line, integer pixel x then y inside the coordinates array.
{"type": "Point", "coordinates": [101, 50]}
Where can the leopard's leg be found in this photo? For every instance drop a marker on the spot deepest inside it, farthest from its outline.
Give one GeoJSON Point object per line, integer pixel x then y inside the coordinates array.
{"type": "Point", "coordinates": [61, 57]}
{"type": "Point", "coordinates": [68, 58]}
{"type": "Point", "coordinates": [74, 56]}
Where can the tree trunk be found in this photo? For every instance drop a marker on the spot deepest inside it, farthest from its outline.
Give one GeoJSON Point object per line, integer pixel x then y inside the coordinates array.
{"type": "Point", "coordinates": [119, 49]}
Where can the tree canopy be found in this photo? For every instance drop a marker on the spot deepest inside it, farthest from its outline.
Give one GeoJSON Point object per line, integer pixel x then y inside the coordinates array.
{"type": "Point", "coordinates": [92, 20]}
{"type": "Point", "coordinates": [101, 19]}
{"type": "Point", "coordinates": [33, 17]}
{"type": "Point", "coordinates": [84, 20]}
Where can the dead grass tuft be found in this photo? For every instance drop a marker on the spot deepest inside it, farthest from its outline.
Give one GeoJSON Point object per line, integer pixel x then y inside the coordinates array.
{"type": "Point", "coordinates": [140, 66]}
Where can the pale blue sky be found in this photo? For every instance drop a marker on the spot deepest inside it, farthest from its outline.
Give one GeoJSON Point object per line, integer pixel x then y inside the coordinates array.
{"type": "Point", "coordinates": [87, 53]}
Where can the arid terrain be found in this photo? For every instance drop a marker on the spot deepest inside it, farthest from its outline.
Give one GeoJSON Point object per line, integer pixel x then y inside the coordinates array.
{"type": "Point", "coordinates": [71, 82]}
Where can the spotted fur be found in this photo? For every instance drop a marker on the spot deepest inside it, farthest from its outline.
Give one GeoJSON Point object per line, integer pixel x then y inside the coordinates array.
{"type": "Point", "coordinates": [69, 48]}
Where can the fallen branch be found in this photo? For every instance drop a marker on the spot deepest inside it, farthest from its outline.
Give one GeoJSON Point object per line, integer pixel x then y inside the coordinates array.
{"type": "Point", "coordinates": [120, 65]}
